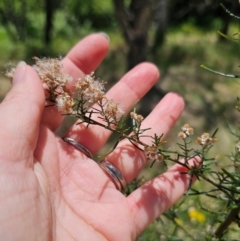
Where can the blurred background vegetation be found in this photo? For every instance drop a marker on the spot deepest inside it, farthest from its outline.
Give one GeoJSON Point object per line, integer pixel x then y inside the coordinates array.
{"type": "Point", "coordinates": [178, 36]}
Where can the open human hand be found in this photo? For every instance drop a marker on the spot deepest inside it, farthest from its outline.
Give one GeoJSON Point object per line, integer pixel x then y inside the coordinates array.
{"type": "Point", "coordinates": [49, 190]}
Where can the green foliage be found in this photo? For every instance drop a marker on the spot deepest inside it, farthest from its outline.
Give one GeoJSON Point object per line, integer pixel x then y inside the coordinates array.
{"type": "Point", "coordinates": [204, 14]}
{"type": "Point", "coordinates": [98, 14]}
{"type": "Point", "coordinates": [18, 18]}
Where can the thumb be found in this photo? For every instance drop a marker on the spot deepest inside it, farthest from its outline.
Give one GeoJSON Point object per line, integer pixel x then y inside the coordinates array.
{"type": "Point", "coordinates": [20, 114]}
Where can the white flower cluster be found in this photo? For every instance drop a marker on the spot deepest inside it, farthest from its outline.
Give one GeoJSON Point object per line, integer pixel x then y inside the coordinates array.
{"type": "Point", "coordinates": [187, 130]}
{"type": "Point", "coordinates": [152, 153]}
{"type": "Point", "coordinates": [206, 140]}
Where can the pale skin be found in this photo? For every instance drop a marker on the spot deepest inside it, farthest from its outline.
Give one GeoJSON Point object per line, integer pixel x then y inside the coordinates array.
{"type": "Point", "coordinates": [51, 191]}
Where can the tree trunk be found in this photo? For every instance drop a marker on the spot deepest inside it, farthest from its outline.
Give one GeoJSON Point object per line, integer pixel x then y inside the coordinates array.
{"type": "Point", "coordinates": [50, 9]}
{"type": "Point", "coordinates": [161, 20]}
{"type": "Point", "coordinates": [135, 22]}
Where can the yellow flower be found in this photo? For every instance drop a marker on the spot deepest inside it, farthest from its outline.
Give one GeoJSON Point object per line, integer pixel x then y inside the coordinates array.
{"type": "Point", "coordinates": [196, 215]}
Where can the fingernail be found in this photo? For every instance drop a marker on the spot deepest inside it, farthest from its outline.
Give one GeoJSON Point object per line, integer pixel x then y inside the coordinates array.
{"type": "Point", "coordinates": [19, 72]}
{"type": "Point", "coordinates": [105, 36]}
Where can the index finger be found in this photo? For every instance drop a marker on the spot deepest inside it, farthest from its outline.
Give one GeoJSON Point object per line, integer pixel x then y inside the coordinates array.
{"type": "Point", "coordinates": [82, 59]}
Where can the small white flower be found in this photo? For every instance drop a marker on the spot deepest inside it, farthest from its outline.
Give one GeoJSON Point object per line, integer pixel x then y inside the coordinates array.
{"type": "Point", "coordinates": [152, 153]}
{"type": "Point", "coordinates": [206, 140]}
{"type": "Point", "coordinates": [187, 130]}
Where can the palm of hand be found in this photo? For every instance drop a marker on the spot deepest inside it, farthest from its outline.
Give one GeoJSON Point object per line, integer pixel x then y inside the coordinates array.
{"type": "Point", "coordinates": [51, 191]}
{"type": "Point", "coordinates": [59, 198]}
{"type": "Point", "coordinates": [83, 201]}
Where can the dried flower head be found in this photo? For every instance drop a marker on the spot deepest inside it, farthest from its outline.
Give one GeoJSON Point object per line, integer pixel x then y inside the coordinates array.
{"type": "Point", "coordinates": [112, 110]}
{"type": "Point", "coordinates": [65, 103]}
{"type": "Point", "coordinates": [187, 130]}
{"type": "Point", "coordinates": [49, 71]}
{"type": "Point", "coordinates": [138, 118]}
{"type": "Point", "coordinates": [90, 90]}
{"type": "Point", "coordinates": [10, 72]}
{"type": "Point", "coordinates": [206, 140]}
{"type": "Point", "coordinates": [152, 153]}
